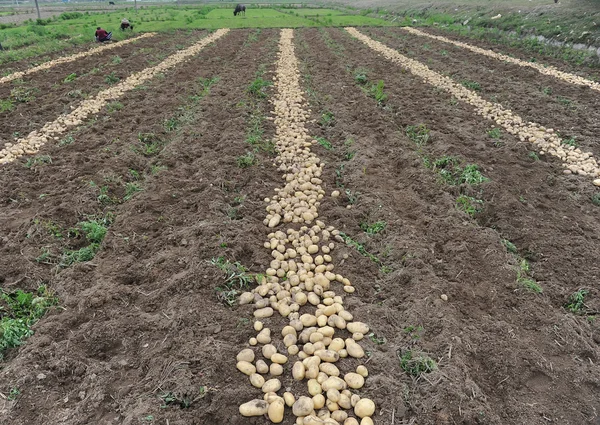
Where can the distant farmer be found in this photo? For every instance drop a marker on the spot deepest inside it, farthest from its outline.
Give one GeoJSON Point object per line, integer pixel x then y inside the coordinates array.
{"type": "Point", "coordinates": [125, 24]}
{"type": "Point", "coordinates": [240, 8]}
{"type": "Point", "coordinates": [102, 35]}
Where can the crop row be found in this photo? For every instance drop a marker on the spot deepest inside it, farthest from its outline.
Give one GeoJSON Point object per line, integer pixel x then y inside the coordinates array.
{"type": "Point", "coordinates": [574, 160]}
{"type": "Point", "coordinates": [72, 58]}
{"type": "Point", "coordinates": [301, 278]}
{"type": "Point", "coordinates": [52, 130]}
{"type": "Point", "coordinates": [542, 69]}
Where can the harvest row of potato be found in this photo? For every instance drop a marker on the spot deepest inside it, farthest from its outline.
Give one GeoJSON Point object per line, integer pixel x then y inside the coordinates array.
{"type": "Point", "coordinates": [302, 366]}
{"type": "Point", "coordinates": [543, 69]}
{"type": "Point", "coordinates": [574, 160]}
{"type": "Point", "coordinates": [65, 59]}
{"type": "Point", "coordinates": [31, 144]}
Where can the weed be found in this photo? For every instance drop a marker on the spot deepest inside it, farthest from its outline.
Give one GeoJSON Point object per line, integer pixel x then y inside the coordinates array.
{"type": "Point", "coordinates": [131, 189]}
{"type": "Point", "coordinates": [360, 77]}
{"type": "Point", "coordinates": [565, 101]}
{"type": "Point", "coordinates": [339, 175]}
{"type": "Point", "coordinates": [327, 118]}
{"type": "Point", "coordinates": [376, 92]}
{"type": "Point", "coordinates": [377, 340]}
{"type": "Point", "coordinates": [533, 155]}
{"type": "Point", "coordinates": [45, 257]}
{"type": "Point", "coordinates": [258, 86]}
{"type": "Point", "coordinates": [352, 197]}
{"type": "Point", "coordinates": [416, 364]}
{"type": "Point", "coordinates": [495, 133]}
{"type": "Point", "coordinates": [510, 247]}
{"type": "Point", "coordinates": [349, 155]}
{"type": "Point", "coordinates": [473, 85]}
{"type": "Point", "coordinates": [452, 173]}
{"type": "Point", "coordinates": [596, 199]}
{"type": "Point", "coordinates": [471, 175]}
{"type": "Point", "coordinates": [94, 230]}
{"type": "Point", "coordinates": [155, 169]}
{"type": "Point", "coordinates": [152, 144]}
{"type": "Point", "coordinates": [360, 248]}
{"type": "Point", "coordinates": [116, 60]}
{"type": "Point", "coordinates": [169, 398]}
{"type": "Point", "coordinates": [248, 160]}
{"type": "Point", "coordinates": [325, 143]}
{"type": "Point", "coordinates": [6, 105]}
{"type": "Point", "coordinates": [103, 197]}
{"type": "Point", "coordinates": [547, 90]}
{"type": "Point", "coordinates": [469, 205]}
{"type": "Point", "coordinates": [13, 394]}
{"type": "Point", "coordinates": [172, 124]}
{"type": "Point", "coordinates": [529, 284]}
{"type": "Point", "coordinates": [19, 311]}
{"type": "Point", "coordinates": [114, 107]}
{"type": "Point", "coordinates": [419, 134]}
{"type": "Point", "coordinates": [374, 228]}
{"type": "Point", "coordinates": [575, 303]}
{"type": "Point", "coordinates": [111, 78]}
{"type": "Point", "coordinates": [66, 141]}
{"type": "Point", "coordinates": [70, 77]}
{"type": "Point", "coordinates": [237, 280]}
{"type": "Point", "coordinates": [444, 53]}
{"type": "Point", "coordinates": [75, 93]}
{"type": "Point", "coordinates": [37, 160]}
{"type": "Point", "coordinates": [135, 174]}
{"type": "Point", "coordinates": [23, 94]}
{"type": "Point", "coordinates": [570, 142]}
{"type": "Point", "coordinates": [414, 331]}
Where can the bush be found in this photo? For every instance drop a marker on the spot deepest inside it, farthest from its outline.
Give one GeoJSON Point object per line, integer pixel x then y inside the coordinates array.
{"type": "Point", "coordinates": [70, 15]}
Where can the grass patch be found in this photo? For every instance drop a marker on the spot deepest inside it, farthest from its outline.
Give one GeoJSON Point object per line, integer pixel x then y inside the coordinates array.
{"type": "Point", "coordinates": [19, 311]}
{"type": "Point", "coordinates": [237, 280]}
{"type": "Point", "coordinates": [419, 134]}
{"type": "Point", "coordinates": [70, 77]}
{"type": "Point", "coordinates": [373, 228]}
{"type": "Point", "coordinates": [360, 248]}
{"type": "Point", "coordinates": [325, 143]}
{"type": "Point", "coordinates": [6, 105]}
{"type": "Point", "coordinates": [376, 91]}
{"type": "Point", "coordinates": [327, 119]}
{"type": "Point", "coordinates": [495, 133]}
{"type": "Point", "coordinates": [469, 205]}
{"type": "Point", "coordinates": [248, 160]}
{"type": "Point", "coordinates": [258, 87]}
{"type": "Point", "coordinates": [38, 160]}
{"type": "Point", "coordinates": [471, 85]}
{"type": "Point", "coordinates": [112, 78]}
{"type": "Point", "coordinates": [416, 364]}
{"type": "Point", "coordinates": [576, 302]}
{"type": "Point", "coordinates": [453, 174]}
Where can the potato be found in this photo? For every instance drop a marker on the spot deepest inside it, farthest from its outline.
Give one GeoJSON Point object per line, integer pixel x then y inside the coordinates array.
{"type": "Point", "coordinates": [264, 336]}
{"type": "Point", "coordinates": [308, 320]}
{"type": "Point", "coordinates": [330, 369]}
{"type": "Point", "coordinates": [357, 336]}
{"type": "Point", "coordinates": [354, 398]}
{"type": "Point", "coordinates": [350, 421]}
{"type": "Point", "coordinates": [293, 350]}
{"type": "Point", "coordinates": [334, 382]}
{"type": "Point", "coordinates": [289, 398]}
{"type": "Point", "coordinates": [254, 408]}
{"type": "Point", "coordinates": [367, 421]}
{"type": "Point", "coordinates": [256, 380]}
{"type": "Point", "coordinates": [261, 366]}
{"type": "Point", "coordinates": [272, 385]}
{"type": "Point", "coordinates": [328, 355]}
{"type": "Point", "coordinates": [279, 358]}
{"type": "Point", "coordinates": [275, 411]}
{"type": "Point", "coordinates": [358, 327]}
{"type": "Point", "coordinates": [344, 402]}
{"type": "Point", "coordinates": [312, 420]}
{"type": "Point", "coordinates": [354, 380]}
{"type": "Point", "coordinates": [354, 349]}
{"type": "Point", "coordinates": [314, 387]}
{"type": "Point", "coordinates": [298, 371]}
{"type": "Point", "coordinates": [252, 341]}
{"type": "Point", "coordinates": [333, 395]}
{"type": "Point", "coordinates": [362, 371]}
{"type": "Point", "coordinates": [263, 312]}
{"type": "Point", "coordinates": [246, 368]}
{"type": "Point", "coordinates": [303, 406]}
{"type": "Point", "coordinates": [318, 401]}
{"type": "Point", "coordinates": [337, 344]}
{"type": "Point", "coordinates": [364, 407]}
{"type": "Point", "coordinates": [258, 326]}
{"type": "Point", "coordinates": [276, 369]}
{"type": "Point", "coordinates": [246, 355]}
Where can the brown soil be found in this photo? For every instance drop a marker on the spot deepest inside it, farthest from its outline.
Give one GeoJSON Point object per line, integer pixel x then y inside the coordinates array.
{"type": "Point", "coordinates": [572, 110]}
{"type": "Point", "coordinates": [142, 319]}
{"type": "Point", "coordinates": [52, 96]}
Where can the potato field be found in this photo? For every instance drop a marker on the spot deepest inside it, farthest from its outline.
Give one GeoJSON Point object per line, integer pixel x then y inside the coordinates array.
{"type": "Point", "coordinates": [312, 226]}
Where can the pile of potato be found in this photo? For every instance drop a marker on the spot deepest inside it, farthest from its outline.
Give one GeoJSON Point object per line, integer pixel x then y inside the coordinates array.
{"type": "Point", "coordinates": [543, 69]}
{"type": "Point", "coordinates": [65, 59]}
{"type": "Point", "coordinates": [52, 130]}
{"type": "Point", "coordinates": [574, 160]}
{"type": "Point", "coordinates": [299, 285]}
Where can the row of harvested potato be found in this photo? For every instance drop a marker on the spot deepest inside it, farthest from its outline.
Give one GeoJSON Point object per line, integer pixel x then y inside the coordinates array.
{"type": "Point", "coordinates": [299, 285]}
{"type": "Point", "coordinates": [548, 141]}
{"type": "Point", "coordinates": [542, 69]}
{"type": "Point", "coordinates": [72, 58]}
{"type": "Point", "coordinates": [31, 144]}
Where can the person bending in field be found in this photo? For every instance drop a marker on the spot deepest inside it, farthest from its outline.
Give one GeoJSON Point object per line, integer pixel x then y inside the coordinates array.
{"type": "Point", "coordinates": [125, 24]}
{"type": "Point", "coordinates": [102, 35]}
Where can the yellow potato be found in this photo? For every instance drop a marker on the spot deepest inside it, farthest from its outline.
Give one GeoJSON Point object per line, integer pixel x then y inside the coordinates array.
{"type": "Point", "coordinates": [256, 380]}
{"type": "Point", "coordinates": [272, 385]}
{"type": "Point", "coordinates": [354, 380]}
{"type": "Point", "coordinates": [365, 407]}
{"type": "Point", "coordinates": [246, 368]}
{"type": "Point", "coordinates": [276, 410]}
{"type": "Point", "coordinates": [254, 408]}
{"type": "Point", "coordinates": [303, 406]}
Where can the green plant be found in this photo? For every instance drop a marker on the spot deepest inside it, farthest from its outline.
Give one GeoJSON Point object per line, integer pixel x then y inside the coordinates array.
{"type": "Point", "coordinates": [469, 205]}
{"type": "Point", "coordinates": [13, 394]}
{"type": "Point", "coordinates": [247, 160]}
{"type": "Point", "coordinates": [116, 60]}
{"type": "Point", "coordinates": [237, 279]}
{"type": "Point", "coordinates": [377, 93]}
{"type": "Point", "coordinates": [111, 78]}
{"type": "Point", "coordinates": [414, 331]}
{"type": "Point", "coordinates": [155, 169]}
{"type": "Point", "coordinates": [19, 311]}
{"type": "Point", "coordinates": [529, 284]}
{"type": "Point", "coordinates": [569, 142]}
{"type": "Point", "coordinates": [547, 90]}
{"type": "Point", "coordinates": [533, 155]}
{"type": "Point", "coordinates": [419, 134]}
{"type": "Point", "coordinates": [37, 160]}
{"type": "Point", "coordinates": [576, 301]}
{"type": "Point", "coordinates": [360, 248]}
{"type": "Point", "coordinates": [325, 143]}
{"type": "Point", "coordinates": [565, 101]}
{"type": "Point", "coordinates": [596, 199]}
{"type": "Point", "coordinates": [471, 175]}
{"type": "Point", "coordinates": [360, 77]}
{"type": "Point", "coordinates": [6, 105]}
{"type": "Point", "coordinates": [151, 143]}
{"type": "Point", "coordinates": [473, 85]}
{"type": "Point", "coordinates": [70, 77]}
{"type": "Point", "coordinates": [415, 364]}
{"type": "Point", "coordinates": [258, 86]}
{"type": "Point", "coordinates": [131, 188]}
{"type": "Point", "coordinates": [172, 124]}
{"type": "Point", "coordinates": [374, 228]}
{"type": "Point", "coordinates": [352, 196]}
{"type": "Point", "coordinates": [114, 107]}
{"type": "Point", "coordinates": [377, 340]}
{"type": "Point", "coordinates": [510, 247]}
{"type": "Point", "coordinates": [327, 118]}
{"type": "Point", "coordinates": [66, 141]}
{"type": "Point", "coordinates": [495, 133]}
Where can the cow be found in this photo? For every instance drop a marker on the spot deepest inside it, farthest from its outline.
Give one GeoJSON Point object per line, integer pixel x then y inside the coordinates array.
{"type": "Point", "coordinates": [111, 2]}
{"type": "Point", "coordinates": [241, 9]}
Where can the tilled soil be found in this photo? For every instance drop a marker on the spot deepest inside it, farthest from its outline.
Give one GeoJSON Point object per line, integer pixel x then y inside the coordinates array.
{"type": "Point", "coordinates": [141, 336]}
{"type": "Point", "coordinates": [572, 110]}
{"type": "Point", "coordinates": [51, 95]}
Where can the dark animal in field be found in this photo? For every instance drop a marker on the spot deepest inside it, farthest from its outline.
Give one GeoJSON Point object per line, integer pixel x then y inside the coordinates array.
{"type": "Point", "coordinates": [241, 9]}
{"type": "Point", "coordinates": [111, 2]}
